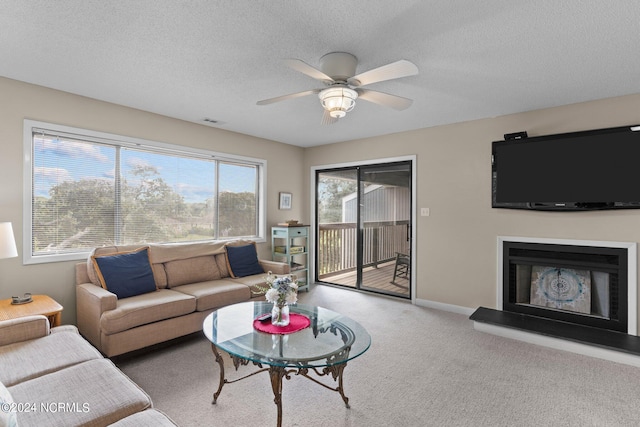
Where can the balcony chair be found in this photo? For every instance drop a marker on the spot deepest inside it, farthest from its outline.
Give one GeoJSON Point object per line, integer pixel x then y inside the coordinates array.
{"type": "Point", "coordinates": [402, 267]}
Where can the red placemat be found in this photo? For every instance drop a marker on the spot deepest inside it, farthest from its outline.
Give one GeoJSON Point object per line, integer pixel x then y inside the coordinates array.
{"type": "Point", "coordinates": [297, 322]}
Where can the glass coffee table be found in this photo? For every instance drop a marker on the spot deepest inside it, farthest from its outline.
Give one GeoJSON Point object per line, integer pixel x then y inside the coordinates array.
{"type": "Point", "coordinates": [321, 349]}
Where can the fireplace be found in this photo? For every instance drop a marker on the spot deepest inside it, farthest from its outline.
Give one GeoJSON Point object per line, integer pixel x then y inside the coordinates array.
{"type": "Point", "coordinates": [571, 295]}
{"type": "Point", "coordinates": [579, 282]}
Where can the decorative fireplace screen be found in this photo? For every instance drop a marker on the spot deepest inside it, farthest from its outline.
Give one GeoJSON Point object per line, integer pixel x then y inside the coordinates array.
{"type": "Point", "coordinates": [557, 288]}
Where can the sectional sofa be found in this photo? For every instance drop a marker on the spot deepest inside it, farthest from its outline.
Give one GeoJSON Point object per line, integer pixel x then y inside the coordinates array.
{"type": "Point", "coordinates": [170, 299]}
{"type": "Point", "coordinates": [53, 377]}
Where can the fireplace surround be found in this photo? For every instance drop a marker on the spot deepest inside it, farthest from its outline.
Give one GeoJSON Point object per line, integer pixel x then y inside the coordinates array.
{"type": "Point", "coordinates": [591, 283]}
{"type": "Point", "coordinates": [586, 285]}
{"type": "Point", "coordinates": [573, 295]}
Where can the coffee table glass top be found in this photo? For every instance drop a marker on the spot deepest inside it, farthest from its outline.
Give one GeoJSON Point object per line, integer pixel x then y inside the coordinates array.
{"type": "Point", "coordinates": [331, 338]}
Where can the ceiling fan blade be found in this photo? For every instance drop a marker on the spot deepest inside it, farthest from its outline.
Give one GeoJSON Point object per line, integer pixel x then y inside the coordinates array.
{"type": "Point", "coordinates": [394, 101]}
{"type": "Point", "coordinates": [290, 96]}
{"type": "Point", "coordinates": [395, 70]}
{"type": "Point", "coordinates": [307, 69]}
{"type": "Point", "coordinates": [327, 119]}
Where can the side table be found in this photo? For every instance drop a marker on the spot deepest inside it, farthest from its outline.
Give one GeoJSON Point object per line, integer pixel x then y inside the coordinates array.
{"type": "Point", "coordinates": [41, 304]}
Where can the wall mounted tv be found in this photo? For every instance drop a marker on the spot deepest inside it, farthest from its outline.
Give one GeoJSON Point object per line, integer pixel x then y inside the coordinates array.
{"type": "Point", "coordinates": [596, 169]}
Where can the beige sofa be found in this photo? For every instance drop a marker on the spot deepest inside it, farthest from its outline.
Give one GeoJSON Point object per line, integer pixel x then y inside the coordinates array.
{"type": "Point", "coordinates": [192, 280]}
{"type": "Point", "coordinates": [53, 377]}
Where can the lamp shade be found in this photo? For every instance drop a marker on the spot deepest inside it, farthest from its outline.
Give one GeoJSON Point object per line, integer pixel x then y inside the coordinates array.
{"type": "Point", "coordinates": [7, 241]}
{"type": "Point", "coordinates": [338, 100]}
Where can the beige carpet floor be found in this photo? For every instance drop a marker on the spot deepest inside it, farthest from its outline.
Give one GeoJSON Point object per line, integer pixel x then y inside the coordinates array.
{"type": "Point", "coordinates": [425, 367]}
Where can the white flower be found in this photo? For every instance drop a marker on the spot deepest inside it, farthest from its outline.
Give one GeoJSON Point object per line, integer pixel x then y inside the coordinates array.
{"type": "Point", "coordinates": [292, 297]}
{"type": "Point", "coordinates": [272, 295]}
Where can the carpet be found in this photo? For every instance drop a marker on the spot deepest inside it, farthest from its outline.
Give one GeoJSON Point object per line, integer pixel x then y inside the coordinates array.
{"type": "Point", "coordinates": [425, 367]}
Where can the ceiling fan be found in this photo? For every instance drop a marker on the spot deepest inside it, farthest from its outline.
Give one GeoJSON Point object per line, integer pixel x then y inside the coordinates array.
{"type": "Point", "coordinates": [343, 86]}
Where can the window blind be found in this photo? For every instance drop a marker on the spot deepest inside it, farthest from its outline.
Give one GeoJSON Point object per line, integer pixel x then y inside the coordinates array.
{"type": "Point", "coordinates": [91, 191]}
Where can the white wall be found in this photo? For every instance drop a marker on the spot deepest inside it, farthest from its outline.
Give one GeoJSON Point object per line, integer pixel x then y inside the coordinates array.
{"type": "Point", "coordinates": [21, 100]}
{"type": "Point", "coordinates": [456, 244]}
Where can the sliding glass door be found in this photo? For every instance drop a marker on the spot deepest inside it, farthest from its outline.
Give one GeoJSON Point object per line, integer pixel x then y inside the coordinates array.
{"type": "Point", "coordinates": [364, 227]}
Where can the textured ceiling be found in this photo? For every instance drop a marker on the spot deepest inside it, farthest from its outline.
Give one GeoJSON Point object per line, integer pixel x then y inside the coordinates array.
{"type": "Point", "coordinates": [215, 59]}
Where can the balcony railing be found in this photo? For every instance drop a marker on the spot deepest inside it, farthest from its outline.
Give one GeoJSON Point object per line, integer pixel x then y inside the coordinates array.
{"type": "Point", "coordinates": [337, 245]}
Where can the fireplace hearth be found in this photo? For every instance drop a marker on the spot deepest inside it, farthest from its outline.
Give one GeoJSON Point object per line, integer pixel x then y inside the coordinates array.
{"type": "Point", "coordinates": [568, 291]}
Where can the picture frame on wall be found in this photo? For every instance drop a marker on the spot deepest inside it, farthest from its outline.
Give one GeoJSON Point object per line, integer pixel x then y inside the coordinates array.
{"type": "Point", "coordinates": [285, 201]}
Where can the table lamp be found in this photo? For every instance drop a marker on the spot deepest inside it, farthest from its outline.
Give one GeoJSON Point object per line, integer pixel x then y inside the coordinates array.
{"type": "Point", "coordinates": [7, 241]}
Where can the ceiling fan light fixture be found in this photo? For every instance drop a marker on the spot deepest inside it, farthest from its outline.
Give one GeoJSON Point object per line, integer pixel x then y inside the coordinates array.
{"type": "Point", "coordinates": [338, 100]}
{"type": "Point", "coordinates": [343, 87]}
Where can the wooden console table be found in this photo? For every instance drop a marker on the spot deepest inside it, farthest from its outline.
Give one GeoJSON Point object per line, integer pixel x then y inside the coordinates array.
{"type": "Point", "coordinates": [41, 304]}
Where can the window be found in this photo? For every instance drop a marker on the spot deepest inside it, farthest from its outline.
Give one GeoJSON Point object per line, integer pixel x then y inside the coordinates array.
{"type": "Point", "coordinates": [85, 189]}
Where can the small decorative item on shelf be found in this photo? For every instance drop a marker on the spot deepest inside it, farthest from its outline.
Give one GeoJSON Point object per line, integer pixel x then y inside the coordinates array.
{"type": "Point", "coordinates": [281, 291]}
{"type": "Point", "coordinates": [290, 223]}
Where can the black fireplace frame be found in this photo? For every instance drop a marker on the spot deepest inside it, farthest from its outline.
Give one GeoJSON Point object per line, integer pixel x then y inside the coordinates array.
{"type": "Point", "coordinates": [607, 259]}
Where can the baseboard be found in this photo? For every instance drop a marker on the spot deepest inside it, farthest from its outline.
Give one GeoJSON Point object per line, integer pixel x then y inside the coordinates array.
{"type": "Point", "coordinates": [445, 307]}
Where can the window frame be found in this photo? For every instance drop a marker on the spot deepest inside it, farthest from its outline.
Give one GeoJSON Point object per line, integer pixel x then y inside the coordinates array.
{"type": "Point", "coordinates": [30, 126]}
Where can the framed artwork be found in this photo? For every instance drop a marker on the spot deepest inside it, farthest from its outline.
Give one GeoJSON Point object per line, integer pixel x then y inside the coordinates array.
{"type": "Point", "coordinates": [285, 201]}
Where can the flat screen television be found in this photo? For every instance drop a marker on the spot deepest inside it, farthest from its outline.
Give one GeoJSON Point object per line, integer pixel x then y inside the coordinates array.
{"type": "Point", "coordinates": [588, 170]}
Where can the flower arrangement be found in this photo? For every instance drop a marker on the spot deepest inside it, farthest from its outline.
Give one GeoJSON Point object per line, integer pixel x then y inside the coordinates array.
{"type": "Point", "coordinates": [280, 290]}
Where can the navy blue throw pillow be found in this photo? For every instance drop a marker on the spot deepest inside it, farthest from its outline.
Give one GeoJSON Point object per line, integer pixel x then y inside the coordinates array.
{"type": "Point", "coordinates": [243, 260]}
{"type": "Point", "coordinates": [127, 274]}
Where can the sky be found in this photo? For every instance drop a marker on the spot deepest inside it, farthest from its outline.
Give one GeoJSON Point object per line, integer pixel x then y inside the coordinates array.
{"type": "Point", "coordinates": [58, 160]}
